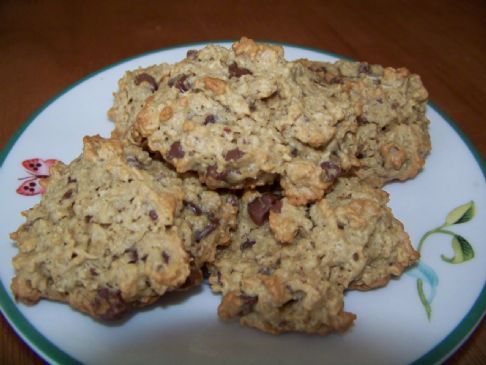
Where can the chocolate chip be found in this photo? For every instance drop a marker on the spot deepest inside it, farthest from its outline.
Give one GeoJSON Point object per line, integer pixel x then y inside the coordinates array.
{"type": "Point", "coordinates": [331, 170]}
{"type": "Point", "coordinates": [111, 303]}
{"type": "Point", "coordinates": [147, 78]}
{"type": "Point", "coordinates": [175, 151]}
{"type": "Point", "coordinates": [248, 243]}
{"type": "Point", "coordinates": [196, 209]}
{"type": "Point", "coordinates": [192, 53]}
{"type": "Point", "coordinates": [71, 180]}
{"type": "Point", "coordinates": [276, 207]}
{"type": "Point", "coordinates": [74, 255]}
{"type": "Point", "coordinates": [247, 304]}
{"type": "Point", "coordinates": [212, 172]}
{"type": "Point", "coordinates": [88, 218]}
{"type": "Point", "coordinates": [336, 80]}
{"type": "Point", "coordinates": [364, 68]}
{"type": "Point", "coordinates": [103, 293]}
{"type": "Point", "coordinates": [165, 257]}
{"type": "Point", "coordinates": [355, 256]}
{"type": "Point", "coordinates": [361, 119]}
{"type": "Point", "coordinates": [212, 218]}
{"type": "Point", "coordinates": [234, 154]}
{"type": "Point", "coordinates": [93, 271]}
{"type": "Point", "coordinates": [236, 71]}
{"type": "Point", "coordinates": [294, 152]}
{"type": "Point", "coordinates": [360, 155]}
{"type": "Point", "coordinates": [132, 255]}
{"type": "Point", "coordinates": [153, 215]}
{"type": "Point", "coordinates": [179, 82]}
{"type": "Point", "coordinates": [259, 208]}
{"type": "Point", "coordinates": [206, 231]}
{"type": "Point", "coordinates": [144, 258]}
{"type": "Point", "coordinates": [210, 119]}
{"type": "Point", "coordinates": [68, 194]}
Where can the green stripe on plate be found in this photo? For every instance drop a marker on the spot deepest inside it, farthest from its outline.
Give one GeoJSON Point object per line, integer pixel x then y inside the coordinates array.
{"type": "Point", "coordinates": [30, 335]}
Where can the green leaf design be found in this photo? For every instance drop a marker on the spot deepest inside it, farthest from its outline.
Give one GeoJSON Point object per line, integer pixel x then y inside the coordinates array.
{"type": "Point", "coordinates": [423, 299]}
{"type": "Point", "coordinates": [462, 214]}
{"type": "Point", "coordinates": [463, 251]}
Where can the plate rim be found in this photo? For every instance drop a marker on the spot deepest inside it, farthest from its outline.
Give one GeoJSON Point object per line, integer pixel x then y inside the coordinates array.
{"type": "Point", "coordinates": [52, 353]}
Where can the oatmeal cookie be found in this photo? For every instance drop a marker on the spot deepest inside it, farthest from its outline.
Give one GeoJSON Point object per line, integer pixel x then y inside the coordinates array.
{"type": "Point", "coordinates": [392, 140]}
{"type": "Point", "coordinates": [114, 231]}
{"type": "Point", "coordinates": [245, 116]}
{"type": "Point", "coordinates": [240, 116]}
{"type": "Point", "coordinates": [287, 267]}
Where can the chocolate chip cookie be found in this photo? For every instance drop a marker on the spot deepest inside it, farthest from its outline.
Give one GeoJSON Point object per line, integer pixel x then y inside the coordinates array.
{"type": "Point", "coordinates": [115, 230]}
{"type": "Point", "coordinates": [240, 116]}
{"type": "Point", "coordinates": [288, 267]}
{"type": "Point", "coordinates": [392, 140]}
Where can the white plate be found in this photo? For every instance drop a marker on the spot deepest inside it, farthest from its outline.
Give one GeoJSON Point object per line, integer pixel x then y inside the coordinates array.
{"type": "Point", "coordinates": [392, 325]}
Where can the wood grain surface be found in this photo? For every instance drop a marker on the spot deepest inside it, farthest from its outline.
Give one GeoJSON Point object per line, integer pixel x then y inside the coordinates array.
{"type": "Point", "coordinates": [47, 45]}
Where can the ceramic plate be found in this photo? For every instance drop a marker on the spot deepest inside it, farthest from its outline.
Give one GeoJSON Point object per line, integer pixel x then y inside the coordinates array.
{"type": "Point", "coordinates": [422, 317]}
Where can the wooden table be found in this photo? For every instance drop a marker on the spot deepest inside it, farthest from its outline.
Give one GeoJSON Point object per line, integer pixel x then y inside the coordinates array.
{"type": "Point", "coordinates": [47, 45]}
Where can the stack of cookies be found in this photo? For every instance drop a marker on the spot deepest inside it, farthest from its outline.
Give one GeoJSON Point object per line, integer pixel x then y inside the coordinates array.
{"type": "Point", "coordinates": [262, 172]}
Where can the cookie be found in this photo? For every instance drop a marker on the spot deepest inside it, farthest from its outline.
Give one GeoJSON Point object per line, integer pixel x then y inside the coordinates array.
{"type": "Point", "coordinates": [287, 267]}
{"type": "Point", "coordinates": [238, 117]}
{"type": "Point", "coordinates": [392, 140]}
{"type": "Point", "coordinates": [133, 89]}
{"type": "Point", "coordinates": [113, 232]}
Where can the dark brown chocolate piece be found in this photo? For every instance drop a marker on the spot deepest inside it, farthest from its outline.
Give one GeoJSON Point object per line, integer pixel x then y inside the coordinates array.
{"type": "Point", "coordinates": [175, 151]}
{"type": "Point", "coordinates": [145, 77]}
{"type": "Point", "coordinates": [259, 208]}
{"type": "Point", "coordinates": [236, 71]}
{"type": "Point", "coordinates": [234, 154]}
{"type": "Point", "coordinates": [331, 171]}
{"type": "Point", "coordinates": [113, 303]}
{"type": "Point", "coordinates": [247, 244]}
{"type": "Point", "coordinates": [206, 231]}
